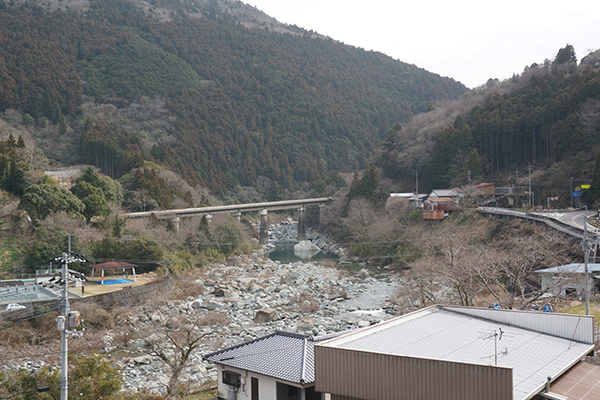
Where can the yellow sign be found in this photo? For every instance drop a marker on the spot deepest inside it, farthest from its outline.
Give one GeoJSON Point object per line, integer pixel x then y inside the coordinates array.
{"type": "Point", "coordinates": [586, 186]}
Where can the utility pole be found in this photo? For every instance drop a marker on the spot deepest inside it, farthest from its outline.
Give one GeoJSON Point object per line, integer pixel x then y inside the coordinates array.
{"type": "Point", "coordinates": [517, 188]}
{"type": "Point", "coordinates": [66, 319]}
{"type": "Point", "coordinates": [529, 167]}
{"type": "Point", "coordinates": [585, 260]}
{"type": "Point", "coordinates": [416, 172]}
{"type": "Point", "coordinates": [571, 192]}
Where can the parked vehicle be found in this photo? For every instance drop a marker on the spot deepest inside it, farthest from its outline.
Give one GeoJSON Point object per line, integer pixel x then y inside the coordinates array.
{"type": "Point", "coordinates": [14, 306]}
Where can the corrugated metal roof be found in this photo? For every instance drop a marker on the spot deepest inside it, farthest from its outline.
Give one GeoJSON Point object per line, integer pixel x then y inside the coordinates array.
{"type": "Point", "coordinates": [443, 193]}
{"type": "Point", "coordinates": [282, 355]}
{"type": "Point", "coordinates": [570, 269]}
{"type": "Point", "coordinates": [445, 335]}
{"type": "Point", "coordinates": [579, 328]}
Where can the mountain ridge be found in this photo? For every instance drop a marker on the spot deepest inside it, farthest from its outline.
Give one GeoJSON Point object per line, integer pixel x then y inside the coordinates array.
{"type": "Point", "coordinates": [244, 106]}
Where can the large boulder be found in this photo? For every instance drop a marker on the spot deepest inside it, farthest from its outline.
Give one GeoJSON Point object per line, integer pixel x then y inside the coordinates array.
{"type": "Point", "coordinates": [306, 245]}
{"type": "Point", "coordinates": [305, 324]}
{"type": "Point", "coordinates": [264, 315]}
{"type": "Point", "coordinates": [305, 249]}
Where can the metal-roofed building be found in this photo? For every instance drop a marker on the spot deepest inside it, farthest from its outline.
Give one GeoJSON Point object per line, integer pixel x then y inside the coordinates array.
{"type": "Point", "coordinates": [446, 352]}
{"type": "Point", "coordinates": [277, 366]}
{"type": "Point", "coordinates": [569, 279]}
{"type": "Point", "coordinates": [444, 193]}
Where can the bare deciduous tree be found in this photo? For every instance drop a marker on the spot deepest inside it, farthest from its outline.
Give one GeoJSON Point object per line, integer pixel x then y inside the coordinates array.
{"type": "Point", "coordinates": [178, 338]}
{"type": "Point", "coordinates": [509, 274]}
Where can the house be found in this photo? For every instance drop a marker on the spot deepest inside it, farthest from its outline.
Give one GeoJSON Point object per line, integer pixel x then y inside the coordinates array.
{"type": "Point", "coordinates": [511, 195]}
{"type": "Point", "coordinates": [457, 353]}
{"type": "Point", "coordinates": [437, 207]}
{"type": "Point", "coordinates": [415, 201]}
{"type": "Point", "coordinates": [569, 280]}
{"type": "Point", "coordinates": [485, 189]}
{"type": "Point", "coordinates": [485, 194]}
{"type": "Point", "coordinates": [279, 366]}
{"type": "Point", "coordinates": [454, 195]}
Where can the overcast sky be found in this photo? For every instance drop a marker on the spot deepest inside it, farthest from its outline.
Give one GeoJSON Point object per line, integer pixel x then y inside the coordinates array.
{"type": "Point", "coordinates": [468, 40]}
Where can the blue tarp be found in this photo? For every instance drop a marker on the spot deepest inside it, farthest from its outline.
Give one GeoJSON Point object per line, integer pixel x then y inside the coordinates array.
{"type": "Point", "coordinates": [111, 281]}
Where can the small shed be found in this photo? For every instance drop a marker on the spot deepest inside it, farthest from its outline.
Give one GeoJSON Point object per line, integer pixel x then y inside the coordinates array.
{"type": "Point", "coordinates": [569, 280]}
{"type": "Point", "coordinates": [113, 265]}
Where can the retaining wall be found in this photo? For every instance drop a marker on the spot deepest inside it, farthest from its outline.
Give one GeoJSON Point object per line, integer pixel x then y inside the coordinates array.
{"type": "Point", "coordinates": [129, 296]}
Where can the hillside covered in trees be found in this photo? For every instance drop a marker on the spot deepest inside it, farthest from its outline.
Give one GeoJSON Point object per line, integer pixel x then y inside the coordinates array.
{"type": "Point", "coordinates": [547, 117]}
{"type": "Point", "coordinates": [214, 90]}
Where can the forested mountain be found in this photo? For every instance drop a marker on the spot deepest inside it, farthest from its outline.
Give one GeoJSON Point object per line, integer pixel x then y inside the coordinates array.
{"type": "Point", "coordinates": [214, 90]}
{"type": "Point", "coordinates": [548, 115]}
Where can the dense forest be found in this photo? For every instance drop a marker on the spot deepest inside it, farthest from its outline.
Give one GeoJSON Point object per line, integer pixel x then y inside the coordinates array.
{"type": "Point", "coordinates": [203, 92]}
{"type": "Point", "coordinates": [545, 117]}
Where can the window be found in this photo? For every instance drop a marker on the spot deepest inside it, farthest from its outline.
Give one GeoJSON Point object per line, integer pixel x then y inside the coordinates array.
{"type": "Point", "coordinates": [231, 378]}
{"type": "Point", "coordinates": [287, 392]}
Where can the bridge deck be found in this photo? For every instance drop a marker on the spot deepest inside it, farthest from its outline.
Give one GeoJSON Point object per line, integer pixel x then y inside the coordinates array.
{"type": "Point", "coordinates": [271, 206]}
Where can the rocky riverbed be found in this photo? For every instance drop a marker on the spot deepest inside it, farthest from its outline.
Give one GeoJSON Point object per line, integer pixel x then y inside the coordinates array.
{"type": "Point", "coordinates": [261, 296]}
{"type": "Point", "coordinates": [258, 296]}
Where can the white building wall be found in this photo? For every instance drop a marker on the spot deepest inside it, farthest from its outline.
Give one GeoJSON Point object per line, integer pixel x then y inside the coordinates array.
{"type": "Point", "coordinates": [267, 386]}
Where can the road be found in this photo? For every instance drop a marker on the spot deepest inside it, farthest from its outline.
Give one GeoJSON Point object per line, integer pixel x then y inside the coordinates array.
{"type": "Point", "coordinates": [571, 222]}
{"type": "Point", "coordinates": [576, 219]}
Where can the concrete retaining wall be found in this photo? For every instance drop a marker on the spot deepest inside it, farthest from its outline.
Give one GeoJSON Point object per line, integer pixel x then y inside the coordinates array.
{"type": "Point", "coordinates": [129, 296]}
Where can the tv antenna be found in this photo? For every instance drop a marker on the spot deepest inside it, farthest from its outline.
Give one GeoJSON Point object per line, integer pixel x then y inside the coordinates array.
{"type": "Point", "coordinates": [497, 335]}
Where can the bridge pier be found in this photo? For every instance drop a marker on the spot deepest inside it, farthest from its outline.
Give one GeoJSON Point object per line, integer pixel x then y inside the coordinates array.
{"type": "Point", "coordinates": [264, 227]}
{"type": "Point", "coordinates": [208, 218]}
{"type": "Point", "coordinates": [238, 216]}
{"type": "Point", "coordinates": [301, 224]}
{"type": "Point", "coordinates": [175, 222]}
{"type": "Point", "coordinates": [320, 210]}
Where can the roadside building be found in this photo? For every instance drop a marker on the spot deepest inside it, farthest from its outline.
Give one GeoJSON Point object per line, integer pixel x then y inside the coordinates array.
{"type": "Point", "coordinates": [450, 352]}
{"type": "Point", "coordinates": [485, 193]}
{"type": "Point", "coordinates": [569, 280]}
{"type": "Point", "coordinates": [415, 201]}
{"type": "Point", "coordinates": [450, 193]}
{"type": "Point", "coordinates": [511, 196]}
{"type": "Point", "coordinates": [485, 189]}
{"type": "Point", "coordinates": [437, 208]}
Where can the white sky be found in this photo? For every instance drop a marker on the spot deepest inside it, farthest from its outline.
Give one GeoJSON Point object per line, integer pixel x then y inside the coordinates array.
{"type": "Point", "coordinates": [468, 40]}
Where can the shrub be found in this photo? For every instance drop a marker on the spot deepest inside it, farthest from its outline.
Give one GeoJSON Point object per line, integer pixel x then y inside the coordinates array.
{"type": "Point", "coordinates": [97, 317]}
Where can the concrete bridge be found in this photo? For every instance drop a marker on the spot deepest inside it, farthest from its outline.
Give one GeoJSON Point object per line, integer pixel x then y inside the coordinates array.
{"type": "Point", "coordinates": [237, 209]}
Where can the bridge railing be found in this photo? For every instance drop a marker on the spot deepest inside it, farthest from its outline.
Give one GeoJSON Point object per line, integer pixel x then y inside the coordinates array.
{"type": "Point", "coordinates": [271, 205]}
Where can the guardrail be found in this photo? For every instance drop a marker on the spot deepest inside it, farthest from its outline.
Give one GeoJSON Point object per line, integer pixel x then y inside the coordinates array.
{"type": "Point", "coordinates": [542, 217]}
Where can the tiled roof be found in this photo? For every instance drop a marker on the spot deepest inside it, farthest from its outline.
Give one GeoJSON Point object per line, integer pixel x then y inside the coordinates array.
{"type": "Point", "coordinates": [281, 355]}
